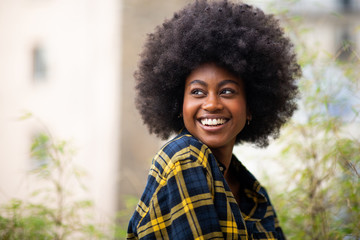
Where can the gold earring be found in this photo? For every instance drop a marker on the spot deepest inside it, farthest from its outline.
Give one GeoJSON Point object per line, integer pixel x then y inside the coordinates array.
{"type": "Point", "coordinates": [180, 115]}
{"type": "Point", "coordinates": [248, 120]}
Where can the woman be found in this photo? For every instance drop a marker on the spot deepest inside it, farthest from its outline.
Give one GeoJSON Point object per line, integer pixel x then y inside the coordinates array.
{"type": "Point", "coordinates": [217, 74]}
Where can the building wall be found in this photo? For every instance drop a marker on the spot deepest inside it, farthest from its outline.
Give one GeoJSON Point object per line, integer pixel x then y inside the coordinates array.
{"type": "Point", "coordinates": [76, 92]}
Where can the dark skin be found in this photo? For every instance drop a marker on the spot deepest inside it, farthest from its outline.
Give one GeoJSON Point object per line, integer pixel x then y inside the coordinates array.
{"type": "Point", "coordinates": [230, 176]}
{"type": "Point", "coordinates": [233, 183]}
{"type": "Point", "coordinates": [215, 111]}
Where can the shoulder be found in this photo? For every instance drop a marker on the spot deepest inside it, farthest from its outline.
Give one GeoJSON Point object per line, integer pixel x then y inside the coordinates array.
{"type": "Point", "coordinates": [183, 141]}
{"type": "Point", "coordinates": [179, 171]}
{"type": "Point", "coordinates": [183, 149]}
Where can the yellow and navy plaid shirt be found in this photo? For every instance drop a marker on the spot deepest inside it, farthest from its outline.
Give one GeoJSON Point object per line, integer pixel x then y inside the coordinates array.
{"type": "Point", "coordinates": [187, 197]}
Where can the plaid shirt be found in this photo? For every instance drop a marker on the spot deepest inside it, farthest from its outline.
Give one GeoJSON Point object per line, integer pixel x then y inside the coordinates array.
{"type": "Point", "coordinates": [187, 197]}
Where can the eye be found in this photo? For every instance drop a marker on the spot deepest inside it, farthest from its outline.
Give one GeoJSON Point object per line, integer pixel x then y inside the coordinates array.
{"type": "Point", "coordinates": [197, 92]}
{"type": "Point", "coordinates": [227, 91]}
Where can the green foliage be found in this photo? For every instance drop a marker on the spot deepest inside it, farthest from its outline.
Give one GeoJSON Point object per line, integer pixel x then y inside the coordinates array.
{"type": "Point", "coordinates": [23, 222]}
{"type": "Point", "coordinates": [123, 216]}
{"type": "Point", "coordinates": [51, 211]}
{"type": "Point", "coordinates": [321, 150]}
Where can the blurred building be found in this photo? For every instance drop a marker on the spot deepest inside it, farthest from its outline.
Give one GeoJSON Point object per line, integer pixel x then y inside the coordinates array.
{"type": "Point", "coordinates": [61, 61]}
{"type": "Point", "coordinates": [71, 64]}
{"type": "Point", "coordinates": [333, 26]}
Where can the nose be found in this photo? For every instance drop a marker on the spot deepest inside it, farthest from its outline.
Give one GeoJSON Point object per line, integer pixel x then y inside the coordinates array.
{"type": "Point", "coordinates": [212, 103]}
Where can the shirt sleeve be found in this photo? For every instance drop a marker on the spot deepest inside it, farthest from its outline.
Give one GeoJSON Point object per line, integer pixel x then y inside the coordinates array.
{"type": "Point", "coordinates": [182, 205]}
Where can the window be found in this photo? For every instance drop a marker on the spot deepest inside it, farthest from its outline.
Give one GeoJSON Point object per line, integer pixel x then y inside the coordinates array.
{"type": "Point", "coordinates": [346, 5]}
{"type": "Point", "coordinates": [39, 63]}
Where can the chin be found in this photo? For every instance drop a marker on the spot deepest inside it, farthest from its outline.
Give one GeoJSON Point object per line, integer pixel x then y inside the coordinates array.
{"type": "Point", "coordinates": [213, 144]}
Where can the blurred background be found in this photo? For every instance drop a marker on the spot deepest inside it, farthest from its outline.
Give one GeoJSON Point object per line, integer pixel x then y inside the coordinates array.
{"type": "Point", "coordinates": [66, 78]}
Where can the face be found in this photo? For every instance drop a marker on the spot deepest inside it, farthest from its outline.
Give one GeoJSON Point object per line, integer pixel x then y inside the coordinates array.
{"type": "Point", "coordinates": [214, 107]}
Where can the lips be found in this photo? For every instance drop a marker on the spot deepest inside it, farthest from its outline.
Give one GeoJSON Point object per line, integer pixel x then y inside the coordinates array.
{"type": "Point", "coordinates": [213, 121]}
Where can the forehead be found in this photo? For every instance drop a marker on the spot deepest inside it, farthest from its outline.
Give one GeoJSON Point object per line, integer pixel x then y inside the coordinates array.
{"type": "Point", "coordinates": [211, 72]}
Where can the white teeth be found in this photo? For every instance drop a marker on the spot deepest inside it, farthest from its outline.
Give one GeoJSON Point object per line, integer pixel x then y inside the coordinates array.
{"type": "Point", "coordinates": [212, 122]}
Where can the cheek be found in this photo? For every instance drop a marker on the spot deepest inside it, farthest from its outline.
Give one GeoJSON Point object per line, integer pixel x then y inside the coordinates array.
{"type": "Point", "coordinates": [240, 110]}
{"type": "Point", "coordinates": [189, 112]}
{"type": "Point", "coordinates": [189, 107]}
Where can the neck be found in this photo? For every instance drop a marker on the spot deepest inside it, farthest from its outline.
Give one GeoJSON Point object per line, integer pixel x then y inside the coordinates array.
{"type": "Point", "coordinates": [224, 155]}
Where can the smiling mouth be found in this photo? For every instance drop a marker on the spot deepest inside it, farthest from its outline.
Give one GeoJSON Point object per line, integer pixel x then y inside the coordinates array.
{"type": "Point", "coordinates": [213, 122]}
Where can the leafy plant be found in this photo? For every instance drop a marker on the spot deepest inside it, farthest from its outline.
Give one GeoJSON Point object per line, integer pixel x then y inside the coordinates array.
{"type": "Point", "coordinates": [52, 211]}
{"type": "Point", "coordinates": [321, 149]}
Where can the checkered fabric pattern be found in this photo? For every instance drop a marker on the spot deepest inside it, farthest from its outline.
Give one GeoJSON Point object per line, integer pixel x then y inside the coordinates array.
{"type": "Point", "coordinates": [187, 197]}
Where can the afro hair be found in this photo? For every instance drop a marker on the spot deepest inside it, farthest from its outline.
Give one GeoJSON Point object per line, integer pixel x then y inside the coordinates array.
{"type": "Point", "coordinates": [241, 38]}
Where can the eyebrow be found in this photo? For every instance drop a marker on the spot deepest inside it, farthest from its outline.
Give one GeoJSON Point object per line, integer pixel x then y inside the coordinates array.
{"type": "Point", "coordinates": [196, 81]}
{"type": "Point", "coordinates": [222, 83]}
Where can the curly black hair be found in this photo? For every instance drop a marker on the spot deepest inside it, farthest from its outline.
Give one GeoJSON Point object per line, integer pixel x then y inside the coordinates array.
{"type": "Point", "coordinates": [241, 38]}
